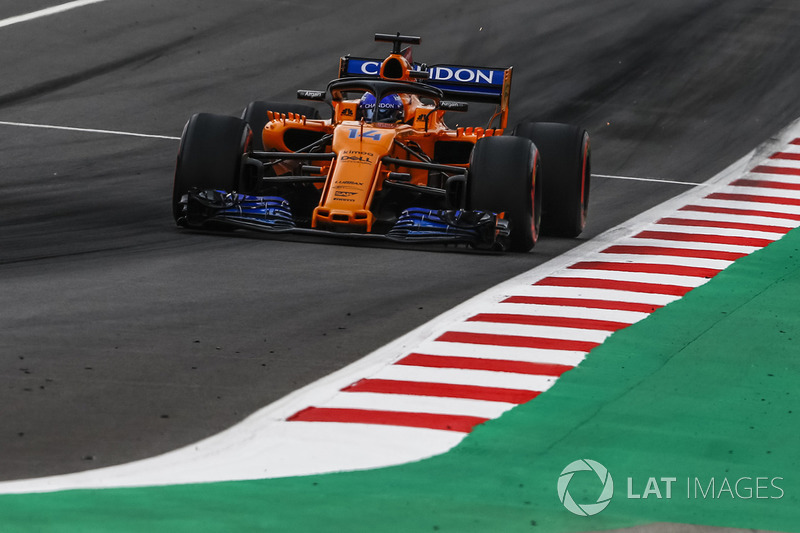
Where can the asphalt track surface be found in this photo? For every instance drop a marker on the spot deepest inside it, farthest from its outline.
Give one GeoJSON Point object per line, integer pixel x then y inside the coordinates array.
{"type": "Point", "coordinates": [122, 337]}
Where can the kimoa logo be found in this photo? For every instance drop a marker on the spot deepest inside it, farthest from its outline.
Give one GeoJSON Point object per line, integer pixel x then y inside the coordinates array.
{"type": "Point", "coordinates": [586, 509]}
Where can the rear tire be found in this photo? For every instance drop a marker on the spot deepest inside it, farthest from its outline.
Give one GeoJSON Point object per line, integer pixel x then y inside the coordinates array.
{"type": "Point", "coordinates": [504, 177]}
{"type": "Point", "coordinates": [255, 114]}
{"type": "Point", "coordinates": [209, 157]}
{"type": "Point", "coordinates": [566, 169]}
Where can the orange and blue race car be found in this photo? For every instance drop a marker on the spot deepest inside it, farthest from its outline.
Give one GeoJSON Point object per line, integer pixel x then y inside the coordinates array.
{"type": "Point", "coordinates": [385, 165]}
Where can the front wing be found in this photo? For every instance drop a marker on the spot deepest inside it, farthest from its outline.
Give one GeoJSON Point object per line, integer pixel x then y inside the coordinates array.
{"type": "Point", "coordinates": [273, 214]}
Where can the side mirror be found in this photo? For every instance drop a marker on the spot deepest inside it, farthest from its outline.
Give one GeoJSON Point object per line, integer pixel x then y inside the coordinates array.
{"type": "Point", "coordinates": [445, 105]}
{"type": "Point", "coordinates": [317, 96]}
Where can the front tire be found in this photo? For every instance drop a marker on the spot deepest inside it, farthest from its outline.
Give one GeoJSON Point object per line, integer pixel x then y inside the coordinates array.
{"type": "Point", "coordinates": [209, 157]}
{"type": "Point", "coordinates": [566, 168]}
{"type": "Point", "coordinates": [504, 177]}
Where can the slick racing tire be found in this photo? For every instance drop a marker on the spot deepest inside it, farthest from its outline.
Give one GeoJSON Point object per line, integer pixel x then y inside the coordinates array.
{"type": "Point", "coordinates": [504, 177]}
{"type": "Point", "coordinates": [255, 114]}
{"type": "Point", "coordinates": [566, 171]}
{"type": "Point", "coordinates": [209, 157]}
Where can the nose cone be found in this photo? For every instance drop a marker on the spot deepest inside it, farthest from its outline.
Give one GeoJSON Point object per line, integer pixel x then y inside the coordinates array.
{"type": "Point", "coordinates": [354, 177]}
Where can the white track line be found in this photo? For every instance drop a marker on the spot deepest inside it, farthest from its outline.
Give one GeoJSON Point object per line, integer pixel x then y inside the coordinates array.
{"type": "Point", "coordinates": [47, 11]}
{"type": "Point", "coordinates": [652, 180]}
{"type": "Point", "coordinates": [169, 137]}
{"type": "Point", "coordinates": [172, 138]}
{"type": "Point", "coordinates": [88, 130]}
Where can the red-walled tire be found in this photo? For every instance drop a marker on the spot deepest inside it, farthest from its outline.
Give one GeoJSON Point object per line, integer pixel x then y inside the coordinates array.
{"type": "Point", "coordinates": [504, 177]}
{"type": "Point", "coordinates": [566, 171]}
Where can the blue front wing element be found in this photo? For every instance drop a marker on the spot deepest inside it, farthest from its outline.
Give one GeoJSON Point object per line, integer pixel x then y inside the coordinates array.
{"type": "Point", "coordinates": [481, 229]}
{"type": "Point", "coordinates": [271, 211]}
{"type": "Point", "coordinates": [416, 224]}
{"type": "Point", "coordinates": [267, 212]}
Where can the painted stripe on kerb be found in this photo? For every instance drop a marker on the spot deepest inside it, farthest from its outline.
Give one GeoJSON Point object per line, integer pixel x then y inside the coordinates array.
{"type": "Point", "coordinates": [766, 169]}
{"type": "Point", "coordinates": [446, 390]}
{"type": "Point", "coordinates": [649, 268]}
{"type": "Point", "coordinates": [544, 320]}
{"type": "Point", "coordinates": [745, 212]}
{"type": "Point", "coordinates": [702, 238]}
{"type": "Point", "coordinates": [673, 252]}
{"type": "Point", "coordinates": [459, 423]}
{"type": "Point", "coordinates": [786, 155]}
{"type": "Point", "coordinates": [615, 285]}
{"type": "Point", "coordinates": [475, 363]}
{"type": "Point", "coordinates": [771, 184]}
{"type": "Point", "coordinates": [584, 303]}
{"type": "Point", "coordinates": [517, 341]}
{"type": "Point", "coordinates": [754, 198]}
{"type": "Point", "coordinates": [705, 223]}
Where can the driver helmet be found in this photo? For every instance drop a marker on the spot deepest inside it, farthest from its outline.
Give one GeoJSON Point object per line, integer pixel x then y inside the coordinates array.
{"type": "Point", "coordinates": [390, 109]}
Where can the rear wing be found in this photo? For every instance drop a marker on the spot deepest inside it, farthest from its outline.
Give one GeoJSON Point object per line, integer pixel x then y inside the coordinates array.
{"type": "Point", "coordinates": [467, 83]}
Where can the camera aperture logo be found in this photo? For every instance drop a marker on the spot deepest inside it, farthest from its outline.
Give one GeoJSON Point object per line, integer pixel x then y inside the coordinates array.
{"type": "Point", "coordinates": [585, 509]}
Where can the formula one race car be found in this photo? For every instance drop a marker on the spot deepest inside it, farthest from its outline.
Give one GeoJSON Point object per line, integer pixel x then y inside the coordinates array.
{"type": "Point", "coordinates": [386, 165]}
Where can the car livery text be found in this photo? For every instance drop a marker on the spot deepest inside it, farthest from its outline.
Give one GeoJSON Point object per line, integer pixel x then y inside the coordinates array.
{"type": "Point", "coordinates": [483, 76]}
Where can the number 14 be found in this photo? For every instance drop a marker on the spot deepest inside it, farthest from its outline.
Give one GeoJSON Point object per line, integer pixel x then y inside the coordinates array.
{"type": "Point", "coordinates": [374, 135]}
